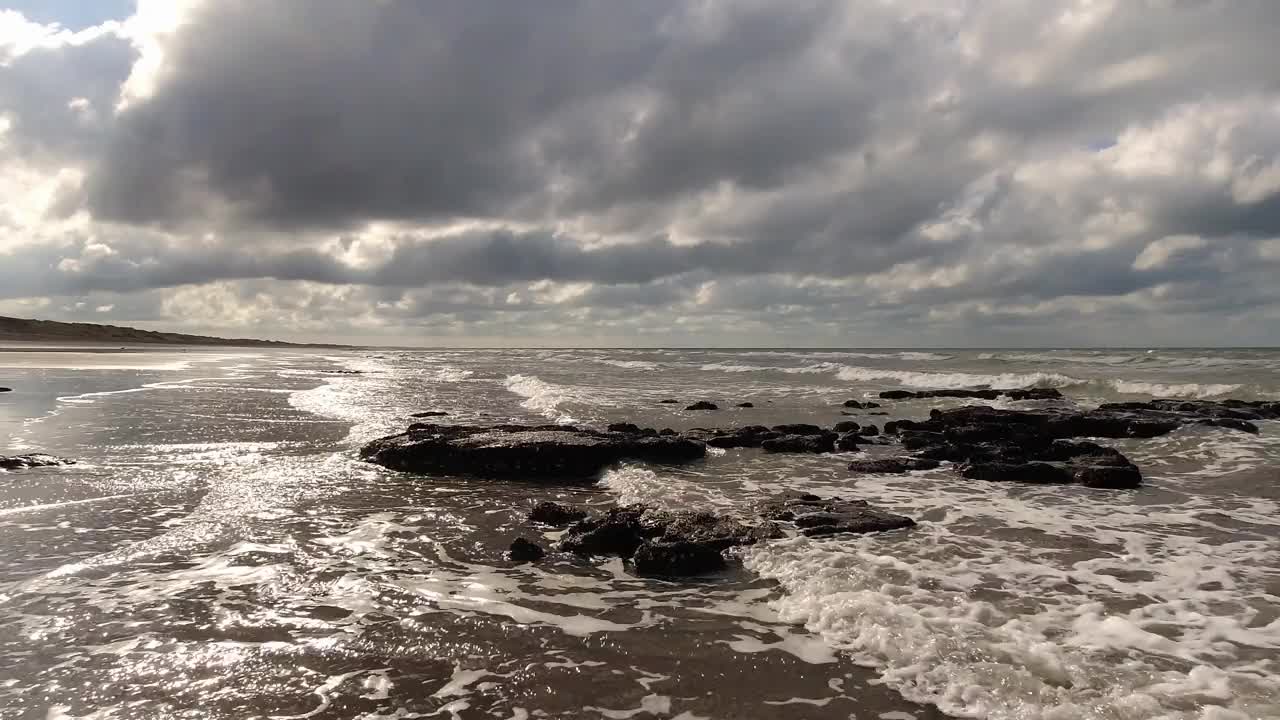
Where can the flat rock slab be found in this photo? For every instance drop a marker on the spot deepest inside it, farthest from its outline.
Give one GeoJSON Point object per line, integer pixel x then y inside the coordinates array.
{"type": "Point", "coordinates": [34, 460]}
{"type": "Point", "coordinates": [522, 452]}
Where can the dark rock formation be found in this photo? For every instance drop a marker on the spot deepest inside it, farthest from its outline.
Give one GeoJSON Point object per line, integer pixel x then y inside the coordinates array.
{"type": "Point", "coordinates": [869, 430]}
{"type": "Point", "coordinates": [5, 389]}
{"type": "Point", "coordinates": [848, 442]}
{"type": "Point", "coordinates": [1033, 446]}
{"type": "Point", "coordinates": [553, 513]}
{"type": "Point", "coordinates": [34, 460]}
{"type": "Point", "coordinates": [429, 413]}
{"type": "Point", "coordinates": [982, 394]}
{"type": "Point", "coordinates": [546, 452]}
{"type": "Point", "coordinates": [861, 405]}
{"type": "Point", "coordinates": [703, 405]}
{"type": "Point", "coordinates": [668, 401]}
{"type": "Point", "coordinates": [892, 465]}
{"type": "Point", "coordinates": [746, 405]}
{"type": "Point", "coordinates": [823, 442]}
{"type": "Point", "coordinates": [799, 429]}
{"type": "Point", "coordinates": [748, 436]}
{"type": "Point", "coordinates": [845, 426]}
{"type": "Point", "coordinates": [663, 543]}
{"type": "Point", "coordinates": [691, 543]}
{"type": "Point", "coordinates": [523, 550]}
{"type": "Point", "coordinates": [816, 516]}
{"type": "Point", "coordinates": [676, 558]}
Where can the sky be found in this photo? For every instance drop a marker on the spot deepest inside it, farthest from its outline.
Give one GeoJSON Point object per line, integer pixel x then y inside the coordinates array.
{"type": "Point", "coordinates": [851, 173]}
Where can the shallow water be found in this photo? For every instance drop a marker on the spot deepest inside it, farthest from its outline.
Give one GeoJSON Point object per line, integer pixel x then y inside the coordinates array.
{"type": "Point", "coordinates": [220, 552]}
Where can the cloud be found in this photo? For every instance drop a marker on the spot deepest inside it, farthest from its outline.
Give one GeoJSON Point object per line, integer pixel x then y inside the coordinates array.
{"type": "Point", "coordinates": [861, 170]}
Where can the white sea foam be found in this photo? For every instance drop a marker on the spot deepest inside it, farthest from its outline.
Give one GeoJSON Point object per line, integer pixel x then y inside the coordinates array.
{"type": "Point", "coordinates": [953, 380]}
{"type": "Point", "coordinates": [631, 364]}
{"type": "Point", "coordinates": [1143, 620]}
{"type": "Point", "coordinates": [1192, 390]}
{"type": "Point", "coordinates": [547, 398]}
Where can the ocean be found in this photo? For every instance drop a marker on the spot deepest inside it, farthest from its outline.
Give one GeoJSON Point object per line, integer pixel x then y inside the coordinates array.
{"type": "Point", "coordinates": [220, 551]}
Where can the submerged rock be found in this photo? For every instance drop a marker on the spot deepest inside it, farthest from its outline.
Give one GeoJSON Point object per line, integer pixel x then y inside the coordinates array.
{"type": "Point", "coordinates": [703, 405]}
{"type": "Point", "coordinates": [429, 413]}
{"type": "Point", "coordinates": [668, 401]}
{"type": "Point", "coordinates": [5, 389]}
{"type": "Point", "coordinates": [33, 460]}
{"type": "Point", "coordinates": [554, 513]}
{"type": "Point", "coordinates": [523, 550]}
{"type": "Point", "coordinates": [746, 405]}
{"type": "Point", "coordinates": [546, 452]}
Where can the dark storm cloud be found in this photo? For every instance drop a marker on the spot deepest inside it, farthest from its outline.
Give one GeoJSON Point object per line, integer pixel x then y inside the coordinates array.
{"type": "Point", "coordinates": [56, 99]}
{"type": "Point", "coordinates": [866, 163]}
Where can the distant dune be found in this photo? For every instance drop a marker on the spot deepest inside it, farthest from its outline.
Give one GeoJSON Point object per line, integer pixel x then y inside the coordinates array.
{"type": "Point", "coordinates": [20, 330]}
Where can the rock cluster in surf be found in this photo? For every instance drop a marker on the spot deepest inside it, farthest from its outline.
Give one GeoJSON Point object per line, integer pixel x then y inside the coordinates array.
{"type": "Point", "coordinates": [660, 542]}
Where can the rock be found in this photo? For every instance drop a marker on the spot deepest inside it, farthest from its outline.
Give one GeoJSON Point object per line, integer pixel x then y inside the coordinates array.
{"type": "Point", "coordinates": [664, 543]}
{"type": "Point", "coordinates": [746, 405]}
{"type": "Point", "coordinates": [1033, 394]}
{"type": "Point", "coordinates": [749, 436]}
{"type": "Point", "coordinates": [981, 393]}
{"type": "Point", "coordinates": [668, 401]}
{"type": "Point", "coordinates": [861, 405]}
{"type": "Point", "coordinates": [1118, 477]}
{"type": "Point", "coordinates": [703, 405]}
{"type": "Point", "coordinates": [893, 465]}
{"type": "Point", "coordinates": [1038, 473]}
{"type": "Point", "coordinates": [666, 432]}
{"type": "Point", "coordinates": [823, 443]}
{"type": "Point", "coordinates": [869, 431]}
{"type": "Point", "coordinates": [545, 453]}
{"type": "Point", "coordinates": [33, 460]}
{"type": "Point", "coordinates": [5, 389]}
{"type": "Point", "coordinates": [679, 558]}
{"type": "Point", "coordinates": [429, 413]}
{"type": "Point", "coordinates": [624, 427]}
{"type": "Point", "coordinates": [849, 442]}
{"type": "Point", "coordinates": [617, 532]}
{"type": "Point", "coordinates": [553, 513]}
{"type": "Point", "coordinates": [1231, 423]}
{"type": "Point", "coordinates": [799, 429]}
{"type": "Point", "coordinates": [816, 516]}
{"type": "Point", "coordinates": [523, 550]}
{"type": "Point", "coordinates": [846, 426]}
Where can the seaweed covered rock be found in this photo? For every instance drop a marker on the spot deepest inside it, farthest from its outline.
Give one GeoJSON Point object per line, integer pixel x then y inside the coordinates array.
{"type": "Point", "coordinates": [523, 452]}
